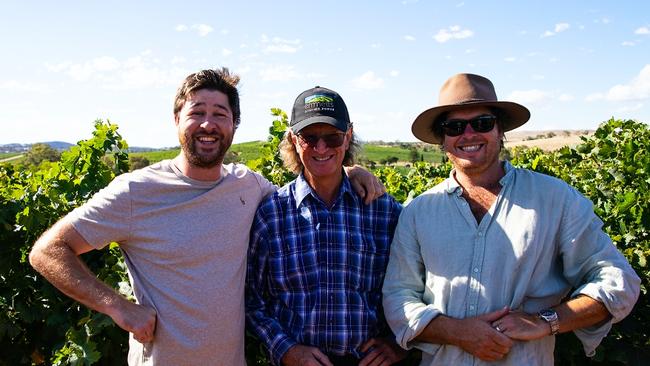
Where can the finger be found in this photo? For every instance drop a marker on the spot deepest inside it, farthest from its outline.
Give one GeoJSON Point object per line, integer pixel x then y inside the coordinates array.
{"type": "Point", "coordinates": [369, 358]}
{"type": "Point", "coordinates": [368, 344]}
{"type": "Point", "coordinates": [495, 315]}
{"type": "Point", "coordinates": [321, 357]}
{"type": "Point", "coordinates": [503, 341]}
{"type": "Point", "coordinates": [370, 193]}
{"type": "Point", "coordinates": [359, 188]}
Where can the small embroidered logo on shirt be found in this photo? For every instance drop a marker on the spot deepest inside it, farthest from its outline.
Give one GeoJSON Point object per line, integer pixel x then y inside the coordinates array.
{"type": "Point", "coordinates": [243, 203]}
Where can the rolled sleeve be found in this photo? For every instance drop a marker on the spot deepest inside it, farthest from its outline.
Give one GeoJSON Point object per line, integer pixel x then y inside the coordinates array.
{"type": "Point", "coordinates": [595, 268]}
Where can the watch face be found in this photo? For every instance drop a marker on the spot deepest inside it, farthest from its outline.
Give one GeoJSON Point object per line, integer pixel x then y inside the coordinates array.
{"type": "Point", "coordinates": [547, 313]}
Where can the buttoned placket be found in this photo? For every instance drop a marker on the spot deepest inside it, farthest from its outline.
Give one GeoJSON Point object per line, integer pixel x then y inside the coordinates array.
{"type": "Point", "coordinates": [479, 247]}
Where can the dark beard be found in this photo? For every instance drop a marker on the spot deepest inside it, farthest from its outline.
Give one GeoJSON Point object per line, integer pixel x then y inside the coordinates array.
{"type": "Point", "coordinates": [202, 160]}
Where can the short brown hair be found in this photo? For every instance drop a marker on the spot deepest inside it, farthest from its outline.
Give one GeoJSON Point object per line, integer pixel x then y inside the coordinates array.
{"type": "Point", "coordinates": [291, 159]}
{"type": "Point", "coordinates": [218, 79]}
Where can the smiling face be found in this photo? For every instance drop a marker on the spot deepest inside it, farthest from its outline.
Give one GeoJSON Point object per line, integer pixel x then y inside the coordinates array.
{"type": "Point", "coordinates": [321, 163]}
{"type": "Point", "coordinates": [205, 128]}
{"type": "Point", "coordinates": [472, 152]}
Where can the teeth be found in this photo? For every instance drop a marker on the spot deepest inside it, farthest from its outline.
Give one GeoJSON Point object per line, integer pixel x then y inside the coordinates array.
{"type": "Point", "coordinates": [206, 139]}
{"type": "Point", "coordinates": [322, 159]}
{"type": "Point", "coordinates": [470, 148]}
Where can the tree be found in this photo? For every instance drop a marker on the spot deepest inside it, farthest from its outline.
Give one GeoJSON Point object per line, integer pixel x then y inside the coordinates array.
{"type": "Point", "coordinates": [41, 152]}
{"type": "Point", "coordinates": [137, 162]}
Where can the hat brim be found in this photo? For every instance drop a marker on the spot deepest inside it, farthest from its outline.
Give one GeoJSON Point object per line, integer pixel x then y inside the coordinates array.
{"type": "Point", "coordinates": [341, 125]}
{"type": "Point", "coordinates": [513, 116]}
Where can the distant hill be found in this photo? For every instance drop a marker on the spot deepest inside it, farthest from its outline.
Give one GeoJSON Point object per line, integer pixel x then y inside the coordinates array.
{"type": "Point", "coordinates": [58, 145]}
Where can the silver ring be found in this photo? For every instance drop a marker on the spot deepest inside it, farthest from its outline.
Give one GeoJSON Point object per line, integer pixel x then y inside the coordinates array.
{"type": "Point", "coordinates": [498, 329]}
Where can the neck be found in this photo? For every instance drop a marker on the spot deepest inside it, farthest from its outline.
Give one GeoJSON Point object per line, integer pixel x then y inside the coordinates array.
{"type": "Point", "coordinates": [487, 179]}
{"type": "Point", "coordinates": [327, 188]}
{"type": "Point", "coordinates": [195, 172]}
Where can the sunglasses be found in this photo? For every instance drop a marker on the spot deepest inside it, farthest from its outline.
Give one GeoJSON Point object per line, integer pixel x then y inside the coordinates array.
{"type": "Point", "coordinates": [332, 140]}
{"type": "Point", "coordinates": [456, 127]}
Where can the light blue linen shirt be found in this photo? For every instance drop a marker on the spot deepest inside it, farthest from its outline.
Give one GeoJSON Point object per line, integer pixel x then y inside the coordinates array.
{"type": "Point", "coordinates": [539, 240]}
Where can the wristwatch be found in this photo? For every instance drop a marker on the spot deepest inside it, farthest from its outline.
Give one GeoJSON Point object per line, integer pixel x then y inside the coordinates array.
{"type": "Point", "coordinates": [550, 316]}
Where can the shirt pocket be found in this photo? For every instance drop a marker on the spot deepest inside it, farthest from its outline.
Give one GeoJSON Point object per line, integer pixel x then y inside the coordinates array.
{"type": "Point", "coordinates": [367, 261]}
{"type": "Point", "coordinates": [293, 266]}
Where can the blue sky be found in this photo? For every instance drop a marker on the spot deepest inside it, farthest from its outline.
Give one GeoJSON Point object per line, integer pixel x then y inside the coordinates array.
{"type": "Point", "coordinates": [66, 63]}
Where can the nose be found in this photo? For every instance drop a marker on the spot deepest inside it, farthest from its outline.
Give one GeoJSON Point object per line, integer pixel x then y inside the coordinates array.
{"type": "Point", "coordinates": [469, 130]}
{"type": "Point", "coordinates": [321, 146]}
{"type": "Point", "coordinates": [208, 124]}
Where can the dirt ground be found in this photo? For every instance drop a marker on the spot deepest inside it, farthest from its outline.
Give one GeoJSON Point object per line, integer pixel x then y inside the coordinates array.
{"type": "Point", "coordinates": [561, 138]}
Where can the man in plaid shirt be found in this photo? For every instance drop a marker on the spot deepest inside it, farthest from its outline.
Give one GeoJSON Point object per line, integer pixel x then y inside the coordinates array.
{"type": "Point", "coordinates": [317, 254]}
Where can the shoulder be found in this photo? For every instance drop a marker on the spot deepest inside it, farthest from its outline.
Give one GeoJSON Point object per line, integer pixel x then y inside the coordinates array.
{"type": "Point", "coordinates": [240, 173]}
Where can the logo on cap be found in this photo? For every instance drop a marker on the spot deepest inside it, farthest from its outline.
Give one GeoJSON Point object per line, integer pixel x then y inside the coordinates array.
{"type": "Point", "coordinates": [319, 103]}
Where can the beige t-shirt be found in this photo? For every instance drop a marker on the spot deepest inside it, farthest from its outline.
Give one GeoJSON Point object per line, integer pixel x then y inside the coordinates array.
{"type": "Point", "coordinates": [184, 243]}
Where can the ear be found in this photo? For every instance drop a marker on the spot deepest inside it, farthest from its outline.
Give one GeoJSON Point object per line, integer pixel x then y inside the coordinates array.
{"type": "Point", "coordinates": [176, 119]}
{"type": "Point", "coordinates": [348, 138]}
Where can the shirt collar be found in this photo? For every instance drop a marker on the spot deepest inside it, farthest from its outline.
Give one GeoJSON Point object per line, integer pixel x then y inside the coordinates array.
{"type": "Point", "coordinates": [454, 187]}
{"type": "Point", "coordinates": [303, 189]}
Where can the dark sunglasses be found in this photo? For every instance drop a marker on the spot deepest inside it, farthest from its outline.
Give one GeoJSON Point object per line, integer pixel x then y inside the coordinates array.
{"type": "Point", "coordinates": [332, 140]}
{"type": "Point", "coordinates": [456, 127]}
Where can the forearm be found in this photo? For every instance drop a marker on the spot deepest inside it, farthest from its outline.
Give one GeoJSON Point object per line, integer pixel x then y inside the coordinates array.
{"type": "Point", "coordinates": [580, 312]}
{"type": "Point", "coordinates": [440, 330]}
{"type": "Point", "coordinates": [53, 258]}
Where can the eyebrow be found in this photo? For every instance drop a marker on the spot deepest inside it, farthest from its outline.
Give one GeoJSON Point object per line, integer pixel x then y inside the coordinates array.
{"type": "Point", "coordinates": [201, 104]}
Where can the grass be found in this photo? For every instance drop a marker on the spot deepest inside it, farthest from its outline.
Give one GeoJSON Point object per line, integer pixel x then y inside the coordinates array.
{"type": "Point", "coordinates": [377, 153]}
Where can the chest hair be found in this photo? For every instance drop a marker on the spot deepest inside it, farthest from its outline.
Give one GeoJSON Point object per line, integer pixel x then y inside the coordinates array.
{"type": "Point", "coordinates": [480, 199]}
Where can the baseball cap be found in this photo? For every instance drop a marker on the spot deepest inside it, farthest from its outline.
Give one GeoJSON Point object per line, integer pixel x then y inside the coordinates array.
{"type": "Point", "coordinates": [319, 105]}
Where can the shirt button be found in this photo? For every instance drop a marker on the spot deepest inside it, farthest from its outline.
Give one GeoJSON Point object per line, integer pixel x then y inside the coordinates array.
{"type": "Point", "coordinates": [480, 233]}
{"type": "Point", "coordinates": [471, 307]}
{"type": "Point", "coordinates": [475, 270]}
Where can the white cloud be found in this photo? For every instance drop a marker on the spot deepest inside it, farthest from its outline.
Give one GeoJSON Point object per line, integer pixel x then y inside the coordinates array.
{"type": "Point", "coordinates": [628, 43]}
{"type": "Point", "coordinates": [280, 45]}
{"type": "Point", "coordinates": [180, 28]}
{"type": "Point", "coordinates": [394, 73]}
{"type": "Point", "coordinates": [637, 89]}
{"type": "Point", "coordinates": [510, 59]}
{"type": "Point", "coordinates": [409, 38]}
{"type": "Point", "coordinates": [226, 52]}
{"type": "Point", "coordinates": [279, 73]}
{"type": "Point", "coordinates": [461, 4]}
{"type": "Point", "coordinates": [141, 71]}
{"type": "Point", "coordinates": [225, 32]}
{"type": "Point", "coordinates": [559, 28]}
{"type": "Point", "coordinates": [368, 81]}
{"type": "Point", "coordinates": [538, 77]}
{"type": "Point", "coordinates": [453, 32]}
{"type": "Point", "coordinates": [375, 45]}
{"type": "Point", "coordinates": [642, 31]}
{"type": "Point", "coordinates": [202, 29]}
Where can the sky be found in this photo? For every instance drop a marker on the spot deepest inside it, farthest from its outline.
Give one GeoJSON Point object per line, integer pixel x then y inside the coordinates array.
{"type": "Point", "coordinates": [64, 64]}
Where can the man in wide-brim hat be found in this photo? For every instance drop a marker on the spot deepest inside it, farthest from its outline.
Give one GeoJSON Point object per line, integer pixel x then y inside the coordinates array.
{"type": "Point", "coordinates": [481, 265]}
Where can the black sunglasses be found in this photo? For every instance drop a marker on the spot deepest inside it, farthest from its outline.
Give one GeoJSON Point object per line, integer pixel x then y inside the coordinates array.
{"type": "Point", "coordinates": [456, 127]}
{"type": "Point", "coordinates": [332, 140]}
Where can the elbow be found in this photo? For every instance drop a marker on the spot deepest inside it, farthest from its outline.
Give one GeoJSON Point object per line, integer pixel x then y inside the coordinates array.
{"type": "Point", "coordinates": [37, 256]}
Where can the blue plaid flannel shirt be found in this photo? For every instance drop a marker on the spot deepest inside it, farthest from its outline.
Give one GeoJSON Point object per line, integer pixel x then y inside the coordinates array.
{"type": "Point", "coordinates": [315, 274]}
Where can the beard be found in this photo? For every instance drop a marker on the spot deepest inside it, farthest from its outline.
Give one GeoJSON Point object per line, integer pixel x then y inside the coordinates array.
{"type": "Point", "coordinates": [202, 159]}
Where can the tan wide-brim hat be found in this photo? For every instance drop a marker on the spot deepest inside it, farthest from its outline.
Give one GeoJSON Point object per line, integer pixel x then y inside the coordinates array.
{"type": "Point", "coordinates": [462, 91]}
